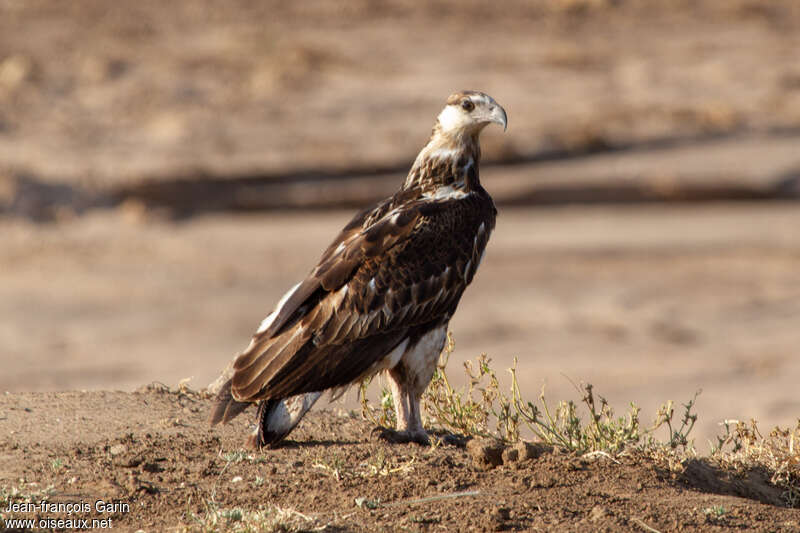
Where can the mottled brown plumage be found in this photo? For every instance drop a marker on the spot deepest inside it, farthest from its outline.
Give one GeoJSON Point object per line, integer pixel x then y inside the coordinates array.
{"type": "Point", "coordinates": [382, 293]}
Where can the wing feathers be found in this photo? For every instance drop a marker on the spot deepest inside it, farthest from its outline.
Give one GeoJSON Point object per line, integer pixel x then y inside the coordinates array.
{"type": "Point", "coordinates": [226, 408]}
{"type": "Point", "coordinates": [249, 380]}
{"type": "Point", "coordinates": [302, 293]}
{"type": "Point", "coordinates": [400, 266]}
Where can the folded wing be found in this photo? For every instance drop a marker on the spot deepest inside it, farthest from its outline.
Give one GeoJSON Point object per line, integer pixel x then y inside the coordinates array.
{"type": "Point", "coordinates": [402, 265]}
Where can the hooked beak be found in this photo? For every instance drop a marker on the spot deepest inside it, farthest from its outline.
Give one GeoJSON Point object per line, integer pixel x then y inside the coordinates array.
{"type": "Point", "coordinates": [498, 115]}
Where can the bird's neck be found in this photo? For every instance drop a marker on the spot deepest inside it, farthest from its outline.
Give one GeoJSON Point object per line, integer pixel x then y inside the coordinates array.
{"type": "Point", "coordinates": [447, 160]}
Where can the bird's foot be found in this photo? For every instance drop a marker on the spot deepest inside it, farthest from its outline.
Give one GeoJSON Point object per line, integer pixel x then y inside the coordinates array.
{"type": "Point", "coordinates": [400, 437]}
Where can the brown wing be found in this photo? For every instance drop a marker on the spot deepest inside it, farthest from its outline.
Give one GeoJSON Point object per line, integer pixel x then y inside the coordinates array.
{"type": "Point", "coordinates": [336, 263]}
{"type": "Point", "coordinates": [398, 267]}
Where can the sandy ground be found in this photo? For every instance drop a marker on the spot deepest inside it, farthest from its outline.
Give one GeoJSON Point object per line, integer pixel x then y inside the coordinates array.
{"type": "Point", "coordinates": [647, 303]}
{"type": "Point", "coordinates": [155, 465]}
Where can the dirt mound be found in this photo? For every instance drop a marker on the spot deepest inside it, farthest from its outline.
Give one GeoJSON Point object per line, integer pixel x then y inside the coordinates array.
{"type": "Point", "coordinates": [154, 463]}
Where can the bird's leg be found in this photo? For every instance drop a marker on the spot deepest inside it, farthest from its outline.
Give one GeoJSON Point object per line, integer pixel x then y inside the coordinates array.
{"type": "Point", "coordinates": [408, 380]}
{"type": "Point", "coordinates": [406, 398]}
{"type": "Point", "coordinates": [402, 409]}
{"type": "Point", "coordinates": [406, 404]}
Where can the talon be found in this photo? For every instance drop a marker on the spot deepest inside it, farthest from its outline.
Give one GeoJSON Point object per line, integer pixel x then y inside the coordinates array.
{"type": "Point", "coordinates": [420, 438]}
{"type": "Point", "coordinates": [379, 432]}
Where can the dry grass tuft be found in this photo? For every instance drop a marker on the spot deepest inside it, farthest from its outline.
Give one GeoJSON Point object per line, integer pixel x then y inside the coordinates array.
{"type": "Point", "coordinates": [743, 448]}
{"type": "Point", "coordinates": [379, 465]}
{"type": "Point", "coordinates": [266, 519]}
{"type": "Point", "coordinates": [22, 494]}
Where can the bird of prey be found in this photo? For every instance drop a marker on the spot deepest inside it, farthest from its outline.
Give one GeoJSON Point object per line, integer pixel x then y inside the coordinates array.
{"type": "Point", "coordinates": [382, 294]}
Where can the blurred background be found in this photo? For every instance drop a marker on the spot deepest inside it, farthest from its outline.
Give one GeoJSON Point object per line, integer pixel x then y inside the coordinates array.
{"type": "Point", "coordinates": [169, 169]}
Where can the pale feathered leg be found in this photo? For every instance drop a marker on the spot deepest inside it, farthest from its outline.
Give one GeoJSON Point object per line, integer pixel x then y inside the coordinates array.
{"type": "Point", "coordinates": [408, 380]}
{"type": "Point", "coordinates": [406, 407]}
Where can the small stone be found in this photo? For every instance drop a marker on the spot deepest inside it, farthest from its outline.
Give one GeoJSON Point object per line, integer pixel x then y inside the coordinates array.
{"type": "Point", "coordinates": [486, 453]}
{"type": "Point", "coordinates": [510, 455]}
{"type": "Point", "coordinates": [597, 513]}
{"type": "Point", "coordinates": [117, 449]}
{"type": "Point", "coordinates": [531, 450]}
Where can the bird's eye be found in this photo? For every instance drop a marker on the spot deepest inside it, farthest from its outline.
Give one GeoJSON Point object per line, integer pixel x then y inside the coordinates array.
{"type": "Point", "coordinates": [467, 105]}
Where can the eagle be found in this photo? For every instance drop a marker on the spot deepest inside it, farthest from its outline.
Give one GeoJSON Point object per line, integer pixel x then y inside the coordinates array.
{"type": "Point", "coordinates": [381, 296]}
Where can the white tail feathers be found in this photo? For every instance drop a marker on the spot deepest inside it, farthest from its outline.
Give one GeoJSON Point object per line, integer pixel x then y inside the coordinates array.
{"type": "Point", "coordinates": [277, 418]}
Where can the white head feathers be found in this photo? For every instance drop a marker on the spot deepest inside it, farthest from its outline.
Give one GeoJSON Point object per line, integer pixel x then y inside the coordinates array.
{"type": "Point", "coordinates": [470, 112]}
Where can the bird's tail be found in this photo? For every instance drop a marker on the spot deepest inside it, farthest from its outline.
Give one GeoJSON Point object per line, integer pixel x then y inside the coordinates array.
{"type": "Point", "coordinates": [225, 407]}
{"type": "Point", "coordinates": [277, 418]}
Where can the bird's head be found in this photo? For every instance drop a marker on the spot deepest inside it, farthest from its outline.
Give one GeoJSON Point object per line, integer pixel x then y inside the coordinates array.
{"type": "Point", "coordinates": [453, 151]}
{"type": "Point", "coordinates": [468, 112]}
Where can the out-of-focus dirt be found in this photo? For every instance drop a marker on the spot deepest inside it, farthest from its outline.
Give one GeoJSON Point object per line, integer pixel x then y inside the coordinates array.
{"type": "Point", "coordinates": [97, 94]}
{"type": "Point", "coordinates": [152, 451]}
